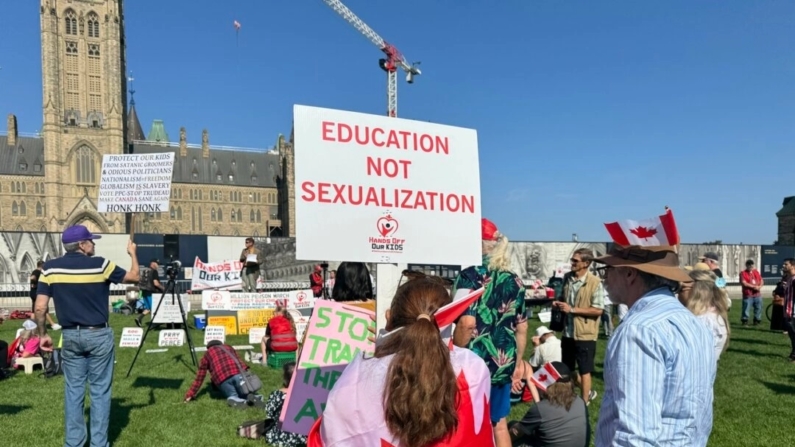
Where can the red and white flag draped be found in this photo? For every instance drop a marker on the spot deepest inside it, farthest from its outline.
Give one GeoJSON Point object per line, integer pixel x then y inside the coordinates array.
{"type": "Point", "coordinates": [660, 230]}
{"type": "Point", "coordinates": [545, 376]}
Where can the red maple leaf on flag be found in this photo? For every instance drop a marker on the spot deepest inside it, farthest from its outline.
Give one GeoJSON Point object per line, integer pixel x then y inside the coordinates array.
{"type": "Point", "coordinates": [543, 377]}
{"type": "Point", "coordinates": [643, 232]}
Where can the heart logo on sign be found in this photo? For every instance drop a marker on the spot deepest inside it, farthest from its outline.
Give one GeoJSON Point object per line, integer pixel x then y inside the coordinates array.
{"type": "Point", "coordinates": [216, 297]}
{"type": "Point", "coordinates": [300, 296]}
{"type": "Point", "coordinates": [387, 226]}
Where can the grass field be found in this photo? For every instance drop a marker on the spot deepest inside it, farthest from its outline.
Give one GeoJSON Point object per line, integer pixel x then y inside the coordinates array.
{"type": "Point", "coordinates": [754, 396]}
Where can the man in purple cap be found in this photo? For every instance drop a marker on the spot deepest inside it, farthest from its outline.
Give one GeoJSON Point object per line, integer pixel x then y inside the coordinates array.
{"type": "Point", "coordinates": [79, 283]}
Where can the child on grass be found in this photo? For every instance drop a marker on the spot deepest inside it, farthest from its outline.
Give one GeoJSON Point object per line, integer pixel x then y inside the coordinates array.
{"type": "Point", "coordinates": [273, 408]}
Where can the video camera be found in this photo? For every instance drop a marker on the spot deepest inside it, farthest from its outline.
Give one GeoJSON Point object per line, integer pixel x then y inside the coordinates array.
{"type": "Point", "coordinates": [173, 268]}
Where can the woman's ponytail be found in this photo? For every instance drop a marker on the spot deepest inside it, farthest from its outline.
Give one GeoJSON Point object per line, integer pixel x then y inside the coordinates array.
{"type": "Point", "coordinates": [421, 389]}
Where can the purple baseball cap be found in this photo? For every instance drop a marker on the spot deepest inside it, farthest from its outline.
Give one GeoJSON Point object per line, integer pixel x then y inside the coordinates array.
{"type": "Point", "coordinates": [77, 233]}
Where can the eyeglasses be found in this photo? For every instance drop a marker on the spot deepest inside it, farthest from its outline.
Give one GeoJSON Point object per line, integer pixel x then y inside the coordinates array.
{"type": "Point", "coordinates": [575, 260]}
{"type": "Point", "coordinates": [90, 241]}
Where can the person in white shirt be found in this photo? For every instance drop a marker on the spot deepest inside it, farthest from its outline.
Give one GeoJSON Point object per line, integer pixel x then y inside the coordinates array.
{"type": "Point", "coordinates": [547, 347]}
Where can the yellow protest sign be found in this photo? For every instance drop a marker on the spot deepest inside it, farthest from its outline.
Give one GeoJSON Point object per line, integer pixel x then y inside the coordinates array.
{"type": "Point", "coordinates": [229, 324]}
{"type": "Point", "coordinates": [247, 319]}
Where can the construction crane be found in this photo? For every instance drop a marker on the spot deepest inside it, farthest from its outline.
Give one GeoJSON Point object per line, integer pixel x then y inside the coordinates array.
{"type": "Point", "coordinates": [394, 59]}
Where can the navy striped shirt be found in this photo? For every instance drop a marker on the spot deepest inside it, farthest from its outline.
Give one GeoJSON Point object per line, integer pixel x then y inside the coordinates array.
{"type": "Point", "coordinates": [80, 286]}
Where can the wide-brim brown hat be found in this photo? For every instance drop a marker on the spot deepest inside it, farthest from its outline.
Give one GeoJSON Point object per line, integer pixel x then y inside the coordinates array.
{"type": "Point", "coordinates": [658, 260]}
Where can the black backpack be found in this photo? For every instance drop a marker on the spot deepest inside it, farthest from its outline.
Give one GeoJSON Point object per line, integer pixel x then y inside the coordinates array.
{"type": "Point", "coordinates": [52, 364]}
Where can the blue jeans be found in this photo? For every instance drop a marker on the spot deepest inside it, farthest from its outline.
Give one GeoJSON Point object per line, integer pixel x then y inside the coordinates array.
{"type": "Point", "coordinates": [757, 303]}
{"type": "Point", "coordinates": [232, 389]}
{"type": "Point", "coordinates": [88, 356]}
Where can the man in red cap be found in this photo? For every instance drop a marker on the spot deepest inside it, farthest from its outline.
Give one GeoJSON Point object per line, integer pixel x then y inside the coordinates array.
{"type": "Point", "coordinates": [316, 281]}
{"type": "Point", "coordinates": [500, 323]}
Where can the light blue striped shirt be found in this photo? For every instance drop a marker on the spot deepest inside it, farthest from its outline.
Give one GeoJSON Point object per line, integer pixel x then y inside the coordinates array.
{"type": "Point", "coordinates": [659, 370]}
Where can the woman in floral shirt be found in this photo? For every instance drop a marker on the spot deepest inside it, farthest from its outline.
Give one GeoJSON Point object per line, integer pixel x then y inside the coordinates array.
{"type": "Point", "coordinates": [499, 320]}
{"type": "Point", "coordinates": [273, 408]}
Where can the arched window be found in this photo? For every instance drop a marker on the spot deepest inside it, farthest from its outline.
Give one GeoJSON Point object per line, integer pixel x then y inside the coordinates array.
{"type": "Point", "coordinates": [212, 215]}
{"type": "Point", "coordinates": [259, 217]}
{"type": "Point", "coordinates": [14, 208]}
{"type": "Point", "coordinates": [220, 215]}
{"type": "Point", "coordinates": [216, 232]}
{"type": "Point", "coordinates": [93, 25]}
{"type": "Point", "coordinates": [37, 187]}
{"type": "Point", "coordinates": [239, 215]}
{"type": "Point", "coordinates": [70, 20]}
{"type": "Point", "coordinates": [251, 216]}
{"type": "Point", "coordinates": [23, 210]}
{"type": "Point", "coordinates": [39, 209]}
{"type": "Point", "coordinates": [179, 213]}
{"type": "Point", "coordinates": [234, 216]}
{"type": "Point", "coordinates": [85, 165]}
{"type": "Point", "coordinates": [24, 188]}
{"type": "Point", "coordinates": [173, 213]}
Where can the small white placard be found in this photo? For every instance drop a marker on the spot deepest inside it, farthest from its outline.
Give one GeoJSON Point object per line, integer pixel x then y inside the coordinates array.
{"type": "Point", "coordinates": [131, 337]}
{"type": "Point", "coordinates": [255, 334]}
{"type": "Point", "coordinates": [171, 337]}
{"type": "Point", "coordinates": [251, 259]}
{"type": "Point", "coordinates": [214, 333]}
{"type": "Point", "coordinates": [155, 351]}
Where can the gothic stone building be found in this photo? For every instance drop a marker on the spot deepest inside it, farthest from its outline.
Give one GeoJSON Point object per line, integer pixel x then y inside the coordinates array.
{"type": "Point", "coordinates": [786, 222]}
{"type": "Point", "coordinates": [51, 180]}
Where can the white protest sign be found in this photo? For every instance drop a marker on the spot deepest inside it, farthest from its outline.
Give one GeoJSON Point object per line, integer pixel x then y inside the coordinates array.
{"type": "Point", "coordinates": [216, 275]}
{"type": "Point", "coordinates": [410, 190]}
{"type": "Point", "coordinates": [255, 334]}
{"type": "Point", "coordinates": [214, 333]}
{"type": "Point", "coordinates": [225, 300]}
{"type": "Point", "coordinates": [169, 311]}
{"type": "Point", "coordinates": [131, 337]}
{"type": "Point", "coordinates": [171, 337]}
{"type": "Point", "coordinates": [135, 183]}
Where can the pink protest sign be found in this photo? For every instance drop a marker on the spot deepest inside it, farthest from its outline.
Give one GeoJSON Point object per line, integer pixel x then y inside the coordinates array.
{"type": "Point", "coordinates": [336, 334]}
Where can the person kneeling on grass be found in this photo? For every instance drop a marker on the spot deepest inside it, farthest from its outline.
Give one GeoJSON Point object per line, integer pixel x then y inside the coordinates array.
{"type": "Point", "coordinates": [221, 361]}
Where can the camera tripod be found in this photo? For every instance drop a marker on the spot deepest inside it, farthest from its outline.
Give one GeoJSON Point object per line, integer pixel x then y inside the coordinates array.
{"type": "Point", "coordinates": [170, 288]}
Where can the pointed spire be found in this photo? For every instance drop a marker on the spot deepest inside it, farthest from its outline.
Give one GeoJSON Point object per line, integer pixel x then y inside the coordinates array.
{"type": "Point", "coordinates": [134, 130]}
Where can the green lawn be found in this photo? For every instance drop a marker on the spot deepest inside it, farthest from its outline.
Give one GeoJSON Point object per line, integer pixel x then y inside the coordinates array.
{"type": "Point", "coordinates": [754, 396]}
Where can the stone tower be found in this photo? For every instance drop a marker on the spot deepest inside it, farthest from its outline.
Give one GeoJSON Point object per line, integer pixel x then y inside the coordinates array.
{"type": "Point", "coordinates": [84, 106]}
{"type": "Point", "coordinates": [287, 185]}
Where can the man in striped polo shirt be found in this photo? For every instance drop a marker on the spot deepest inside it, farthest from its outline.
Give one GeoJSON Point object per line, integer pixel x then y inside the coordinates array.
{"type": "Point", "coordinates": [79, 284]}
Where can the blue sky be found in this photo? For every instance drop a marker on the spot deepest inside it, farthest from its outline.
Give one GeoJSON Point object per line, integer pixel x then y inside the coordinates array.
{"type": "Point", "coordinates": [586, 111]}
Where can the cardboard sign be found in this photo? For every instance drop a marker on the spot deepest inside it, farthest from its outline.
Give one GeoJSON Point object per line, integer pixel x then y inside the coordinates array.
{"type": "Point", "coordinates": [337, 333]}
{"type": "Point", "coordinates": [410, 191]}
{"type": "Point", "coordinates": [131, 337]}
{"type": "Point", "coordinates": [135, 183]}
{"type": "Point", "coordinates": [214, 333]}
{"type": "Point", "coordinates": [247, 319]}
{"type": "Point", "coordinates": [171, 337]}
{"type": "Point", "coordinates": [255, 334]}
{"type": "Point", "coordinates": [229, 323]}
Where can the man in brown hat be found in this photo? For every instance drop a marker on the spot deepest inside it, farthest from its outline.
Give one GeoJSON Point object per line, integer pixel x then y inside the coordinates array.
{"type": "Point", "coordinates": [660, 364]}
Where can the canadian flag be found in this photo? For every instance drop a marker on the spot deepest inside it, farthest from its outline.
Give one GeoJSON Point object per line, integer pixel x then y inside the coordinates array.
{"type": "Point", "coordinates": [445, 316]}
{"type": "Point", "coordinates": [659, 230]}
{"type": "Point", "coordinates": [545, 376]}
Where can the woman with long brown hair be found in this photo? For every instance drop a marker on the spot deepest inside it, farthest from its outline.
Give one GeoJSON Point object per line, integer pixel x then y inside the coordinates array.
{"type": "Point", "coordinates": [414, 391]}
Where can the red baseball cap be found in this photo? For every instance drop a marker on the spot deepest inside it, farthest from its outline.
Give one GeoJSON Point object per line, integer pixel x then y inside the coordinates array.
{"type": "Point", "coordinates": [488, 230]}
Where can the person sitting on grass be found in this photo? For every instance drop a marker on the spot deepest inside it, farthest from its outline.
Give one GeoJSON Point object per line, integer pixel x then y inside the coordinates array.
{"type": "Point", "coordinates": [221, 361]}
{"type": "Point", "coordinates": [273, 408]}
{"type": "Point", "coordinates": [280, 335]}
{"type": "Point", "coordinates": [559, 419]}
{"type": "Point", "coordinates": [26, 345]}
